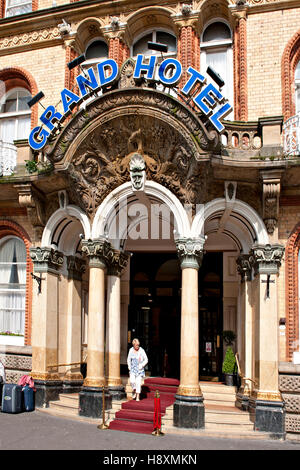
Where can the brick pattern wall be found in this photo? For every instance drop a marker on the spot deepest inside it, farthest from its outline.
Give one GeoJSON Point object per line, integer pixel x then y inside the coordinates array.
{"type": "Point", "coordinates": [17, 362]}
{"type": "Point", "coordinates": [268, 34]}
{"type": "Point", "coordinates": [289, 386]}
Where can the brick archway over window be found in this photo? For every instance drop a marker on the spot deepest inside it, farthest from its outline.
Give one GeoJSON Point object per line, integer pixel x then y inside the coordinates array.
{"type": "Point", "coordinates": [18, 77]}
{"type": "Point", "coordinates": [290, 59]}
{"type": "Point", "coordinates": [292, 292]}
{"type": "Point", "coordinates": [7, 228]}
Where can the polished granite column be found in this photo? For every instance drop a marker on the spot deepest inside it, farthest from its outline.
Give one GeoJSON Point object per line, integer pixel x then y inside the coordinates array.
{"type": "Point", "coordinates": [189, 407]}
{"type": "Point", "coordinates": [90, 398]}
{"type": "Point", "coordinates": [115, 266]}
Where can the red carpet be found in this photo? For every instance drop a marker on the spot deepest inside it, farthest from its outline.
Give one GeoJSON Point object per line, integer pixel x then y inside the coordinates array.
{"type": "Point", "coordinates": [138, 416]}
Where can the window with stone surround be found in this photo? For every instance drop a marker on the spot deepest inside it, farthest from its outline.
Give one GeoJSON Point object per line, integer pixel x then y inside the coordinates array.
{"type": "Point", "coordinates": [216, 52]}
{"type": "Point", "coordinates": [17, 7]}
{"type": "Point", "coordinates": [12, 286]}
{"type": "Point", "coordinates": [140, 45]}
{"type": "Point", "coordinates": [15, 115]}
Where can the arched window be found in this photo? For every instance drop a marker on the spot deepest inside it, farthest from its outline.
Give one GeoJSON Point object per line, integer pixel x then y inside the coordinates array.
{"type": "Point", "coordinates": [297, 87]}
{"type": "Point", "coordinates": [140, 46]}
{"type": "Point", "coordinates": [15, 115]}
{"type": "Point", "coordinates": [96, 50]}
{"type": "Point", "coordinates": [216, 51]}
{"type": "Point", "coordinates": [17, 7]}
{"type": "Point", "coordinates": [12, 285]}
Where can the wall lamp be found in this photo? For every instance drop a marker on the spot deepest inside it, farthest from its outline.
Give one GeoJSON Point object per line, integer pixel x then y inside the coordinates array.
{"type": "Point", "coordinates": [35, 99]}
{"type": "Point", "coordinates": [75, 62]}
{"type": "Point", "coordinates": [156, 46]}
{"type": "Point", "coordinates": [215, 76]}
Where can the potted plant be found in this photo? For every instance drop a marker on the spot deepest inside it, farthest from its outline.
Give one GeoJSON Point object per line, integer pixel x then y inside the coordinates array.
{"type": "Point", "coordinates": [229, 363]}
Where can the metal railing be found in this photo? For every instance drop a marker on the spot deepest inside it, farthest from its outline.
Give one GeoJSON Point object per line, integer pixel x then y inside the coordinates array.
{"type": "Point", "coordinates": [291, 136]}
{"type": "Point", "coordinates": [243, 378]}
{"type": "Point", "coordinates": [8, 158]}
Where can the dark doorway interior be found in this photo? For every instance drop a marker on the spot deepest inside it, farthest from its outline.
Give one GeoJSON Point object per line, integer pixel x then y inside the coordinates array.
{"type": "Point", "coordinates": [154, 312]}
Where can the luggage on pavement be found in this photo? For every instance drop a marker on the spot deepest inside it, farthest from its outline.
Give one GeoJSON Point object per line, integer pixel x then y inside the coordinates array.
{"type": "Point", "coordinates": [12, 398]}
{"type": "Point", "coordinates": [28, 393]}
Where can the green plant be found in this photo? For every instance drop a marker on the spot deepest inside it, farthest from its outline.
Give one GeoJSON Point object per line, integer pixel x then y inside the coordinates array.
{"type": "Point", "coordinates": [228, 336]}
{"type": "Point", "coordinates": [229, 363]}
{"type": "Point", "coordinates": [31, 166]}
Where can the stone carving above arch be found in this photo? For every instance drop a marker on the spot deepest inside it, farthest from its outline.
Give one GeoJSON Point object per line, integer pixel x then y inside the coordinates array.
{"type": "Point", "coordinates": [96, 146]}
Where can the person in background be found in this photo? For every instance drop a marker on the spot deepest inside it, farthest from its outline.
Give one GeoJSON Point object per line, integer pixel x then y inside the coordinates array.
{"type": "Point", "coordinates": [136, 361]}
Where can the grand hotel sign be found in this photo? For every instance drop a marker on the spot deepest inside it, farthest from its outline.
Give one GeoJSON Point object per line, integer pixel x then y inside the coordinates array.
{"type": "Point", "coordinates": [207, 98]}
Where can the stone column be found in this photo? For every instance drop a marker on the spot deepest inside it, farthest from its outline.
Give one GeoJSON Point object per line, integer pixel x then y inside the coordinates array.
{"type": "Point", "coordinates": [115, 267]}
{"type": "Point", "coordinates": [246, 354]}
{"type": "Point", "coordinates": [266, 405]}
{"type": "Point", "coordinates": [240, 62]}
{"type": "Point", "coordinates": [47, 263]}
{"type": "Point", "coordinates": [73, 379]}
{"type": "Point", "coordinates": [188, 407]}
{"type": "Point", "coordinates": [90, 398]}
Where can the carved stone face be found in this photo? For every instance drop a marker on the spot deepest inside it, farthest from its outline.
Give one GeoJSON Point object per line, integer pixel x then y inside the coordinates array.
{"type": "Point", "coordinates": [137, 179]}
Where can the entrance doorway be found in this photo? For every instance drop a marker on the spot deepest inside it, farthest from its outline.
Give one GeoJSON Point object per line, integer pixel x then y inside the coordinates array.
{"type": "Point", "coordinates": [155, 306]}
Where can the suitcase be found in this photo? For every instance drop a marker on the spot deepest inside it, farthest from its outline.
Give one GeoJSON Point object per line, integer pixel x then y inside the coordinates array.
{"type": "Point", "coordinates": [12, 398]}
{"type": "Point", "coordinates": [28, 395]}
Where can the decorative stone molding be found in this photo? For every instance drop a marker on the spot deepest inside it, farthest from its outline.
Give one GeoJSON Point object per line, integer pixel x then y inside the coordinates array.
{"type": "Point", "coordinates": [117, 262]}
{"type": "Point", "coordinates": [271, 194]}
{"type": "Point", "coordinates": [289, 383]}
{"type": "Point", "coordinates": [33, 201]}
{"type": "Point", "coordinates": [30, 39]}
{"type": "Point", "coordinates": [76, 267]}
{"type": "Point", "coordinates": [46, 259]}
{"type": "Point", "coordinates": [266, 259]}
{"type": "Point", "coordinates": [190, 252]}
{"type": "Point", "coordinates": [244, 267]}
{"type": "Point", "coordinates": [99, 252]}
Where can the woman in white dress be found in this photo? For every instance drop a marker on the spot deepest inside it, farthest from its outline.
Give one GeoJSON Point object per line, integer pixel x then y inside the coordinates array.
{"type": "Point", "coordinates": [137, 360]}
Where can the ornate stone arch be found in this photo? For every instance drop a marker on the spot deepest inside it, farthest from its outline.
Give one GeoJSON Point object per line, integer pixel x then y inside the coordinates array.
{"type": "Point", "coordinates": [290, 58]}
{"type": "Point", "coordinates": [95, 147]}
{"type": "Point", "coordinates": [8, 227]}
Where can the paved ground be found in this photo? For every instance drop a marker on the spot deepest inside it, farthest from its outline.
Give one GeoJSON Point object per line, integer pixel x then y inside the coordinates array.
{"type": "Point", "coordinates": [40, 431]}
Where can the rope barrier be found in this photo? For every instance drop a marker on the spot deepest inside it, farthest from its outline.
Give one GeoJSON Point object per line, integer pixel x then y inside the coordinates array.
{"type": "Point", "coordinates": [157, 416]}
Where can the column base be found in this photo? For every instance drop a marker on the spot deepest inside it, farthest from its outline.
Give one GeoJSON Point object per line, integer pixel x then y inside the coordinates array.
{"type": "Point", "coordinates": [90, 402]}
{"type": "Point", "coordinates": [72, 386]}
{"type": "Point", "coordinates": [188, 412]}
{"type": "Point", "coordinates": [268, 416]}
{"type": "Point", "coordinates": [242, 400]}
{"type": "Point", "coordinates": [116, 392]}
{"type": "Point", "coordinates": [46, 391]}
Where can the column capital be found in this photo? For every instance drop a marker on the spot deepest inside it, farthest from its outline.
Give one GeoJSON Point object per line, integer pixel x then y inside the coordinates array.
{"type": "Point", "coordinates": [46, 259]}
{"type": "Point", "coordinates": [190, 252]}
{"type": "Point", "coordinates": [266, 259]}
{"type": "Point", "coordinates": [117, 262]}
{"type": "Point", "coordinates": [244, 267]}
{"type": "Point", "coordinates": [98, 251]}
{"type": "Point", "coordinates": [76, 267]}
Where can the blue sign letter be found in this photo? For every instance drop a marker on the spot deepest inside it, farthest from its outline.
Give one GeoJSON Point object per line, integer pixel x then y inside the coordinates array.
{"type": "Point", "coordinates": [38, 138]}
{"type": "Point", "coordinates": [68, 98]}
{"type": "Point", "coordinates": [139, 66]}
{"type": "Point", "coordinates": [114, 71]}
{"type": "Point", "coordinates": [48, 115]}
{"type": "Point", "coordinates": [209, 94]}
{"type": "Point", "coordinates": [176, 75]}
{"type": "Point", "coordinates": [195, 77]}
{"type": "Point", "coordinates": [222, 112]}
{"type": "Point", "coordinates": [83, 82]}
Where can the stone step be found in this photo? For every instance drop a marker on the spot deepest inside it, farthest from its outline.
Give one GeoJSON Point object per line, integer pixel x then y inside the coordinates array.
{"type": "Point", "coordinates": [213, 388]}
{"type": "Point", "coordinates": [62, 406]}
{"type": "Point", "coordinates": [70, 399]}
{"type": "Point", "coordinates": [228, 426]}
{"type": "Point", "coordinates": [231, 433]}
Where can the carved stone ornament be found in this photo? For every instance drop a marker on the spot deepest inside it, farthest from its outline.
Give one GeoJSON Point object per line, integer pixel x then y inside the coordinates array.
{"type": "Point", "coordinates": [99, 252]}
{"type": "Point", "coordinates": [34, 203]}
{"type": "Point", "coordinates": [46, 259]}
{"type": "Point", "coordinates": [190, 252]}
{"type": "Point", "coordinates": [271, 193]}
{"type": "Point", "coordinates": [137, 168]}
{"type": "Point", "coordinates": [244, 267]}
{"type": "Point", "coordinates": [266, 259]}
{"type": "Point", "coordinates": [116, 262]}
{"type": "Point", "coordinates": [76, 267]}
{"type": "Point", "coordinates": [95, 147]}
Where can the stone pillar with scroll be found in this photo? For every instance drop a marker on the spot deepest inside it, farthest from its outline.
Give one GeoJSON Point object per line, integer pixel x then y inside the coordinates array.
{"type": "Point", "coordinates": [188, 407]}
{"type": "Point", "coordinates": [47, 263]}
{"type": "Point", "coordinates": [265, 404]}
{"type": "Point", "coordinates": [90, 398]}
{"type": "Point", "coordinates": [115, 266]}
